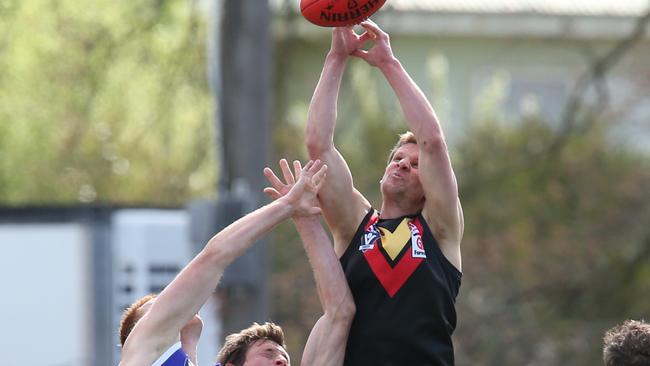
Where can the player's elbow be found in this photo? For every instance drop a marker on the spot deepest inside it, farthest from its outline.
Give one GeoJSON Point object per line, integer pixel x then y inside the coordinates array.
{"type": "Point", "coordinates": [216, 253]}
{"type": "Point", "coordinates": [316, 144]}
{"type": "Point", "coordinates": [343, 313]}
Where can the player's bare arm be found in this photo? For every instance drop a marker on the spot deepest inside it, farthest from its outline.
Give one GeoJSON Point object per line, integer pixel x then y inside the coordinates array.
{"type": "Point", "coordinates": [327, 340]}
{"type": "Point", "coordinates": [442, 208]}
{"type": "Point", "coordinates": [178, 303]}
{"type": "Point", "coordinates": [343, 206]}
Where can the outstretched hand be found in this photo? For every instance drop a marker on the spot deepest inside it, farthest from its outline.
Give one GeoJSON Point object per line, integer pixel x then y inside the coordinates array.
{"type": "Point", "coordinates": [380, 52]}
{"type": "Point", "coordinates": [345, 41]}
{"type": "Point", "coordinates": [300, 187]}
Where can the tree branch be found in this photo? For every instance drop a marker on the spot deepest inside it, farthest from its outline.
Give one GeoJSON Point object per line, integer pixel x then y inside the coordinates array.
{"type": "Point", "coordinates": [595, 75]}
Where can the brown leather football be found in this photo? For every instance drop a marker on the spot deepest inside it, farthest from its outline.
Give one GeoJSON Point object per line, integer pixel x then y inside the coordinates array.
{"type": "Point", "coordinates": [338, 13]}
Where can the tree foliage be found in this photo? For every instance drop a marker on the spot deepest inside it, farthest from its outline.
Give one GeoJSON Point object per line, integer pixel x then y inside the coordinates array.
{"type": "Point", "coordinates": [97, 102]}
{"type": "Point", "coordinates": [555, 247]}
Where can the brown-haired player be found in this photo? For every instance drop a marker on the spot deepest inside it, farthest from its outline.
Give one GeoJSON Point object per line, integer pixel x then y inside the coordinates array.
{"type": "Point", "coordinates": [627, 344]}
{"type": "Point", "coordinates": [243, 346]}
{"type": "Point", "coordinates": [164, 329]}
{"type": "Point", "coordinates": [403, 261]}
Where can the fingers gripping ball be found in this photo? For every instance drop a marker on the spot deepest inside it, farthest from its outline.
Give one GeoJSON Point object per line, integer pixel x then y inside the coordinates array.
{"type": "Point", "coordinates": [338, 13]}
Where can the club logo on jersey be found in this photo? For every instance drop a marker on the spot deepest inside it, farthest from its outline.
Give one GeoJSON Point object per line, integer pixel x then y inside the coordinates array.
{"type": "Point", "coordinates": [369, 238]}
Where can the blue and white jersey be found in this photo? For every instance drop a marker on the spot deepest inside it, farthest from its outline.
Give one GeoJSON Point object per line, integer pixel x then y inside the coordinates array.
{"type": "Point", "coordinates": [174, 356]}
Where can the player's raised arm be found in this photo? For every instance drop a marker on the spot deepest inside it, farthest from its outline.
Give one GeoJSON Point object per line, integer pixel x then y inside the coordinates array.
{"type": "Point", "coordinates": [442, 208]}
{"type": "Point", "coordinates": [328, 338]}
{"type": "Point", "coordinates": [343, 206]}
{"type": "Point", "coordinates": [179, 302]}
{"type": "Point", "coordinates": [326, 343]}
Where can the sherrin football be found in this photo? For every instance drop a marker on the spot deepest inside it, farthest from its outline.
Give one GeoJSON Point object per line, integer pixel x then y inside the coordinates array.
{"type": "Point", "coordinates": [338, 13]}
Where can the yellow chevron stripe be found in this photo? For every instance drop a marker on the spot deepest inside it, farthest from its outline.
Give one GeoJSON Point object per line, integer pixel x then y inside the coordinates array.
{"type": "Point", "coordinates": [394, 242]}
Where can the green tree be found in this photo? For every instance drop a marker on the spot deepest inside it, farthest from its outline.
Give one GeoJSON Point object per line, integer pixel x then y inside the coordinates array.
{"type": "Point", "coordinates": [97, 102]}
{"type": "Point", "coordinates": [556, 247]}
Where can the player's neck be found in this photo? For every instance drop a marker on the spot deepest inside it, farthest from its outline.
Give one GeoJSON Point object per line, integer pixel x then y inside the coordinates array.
{"type": "Point", "coordinates": [392, 209]}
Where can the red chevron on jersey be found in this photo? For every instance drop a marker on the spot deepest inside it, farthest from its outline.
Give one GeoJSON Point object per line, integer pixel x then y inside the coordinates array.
{"type": "Point", "coordinates": [393, 278]}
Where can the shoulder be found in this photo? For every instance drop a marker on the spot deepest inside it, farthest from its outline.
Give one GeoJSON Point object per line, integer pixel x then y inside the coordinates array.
{"type": "Point", "coordinates": [346, 226]}
{"type": "Point", "coordinates": [342, 241]}
{"type": "Point", "coordinates": [448, 239]}
{"type": "Point", "coordinates": [446, 224]}
{"type": "Point", "coordinates": [173, 356]}
{"type": "Point", "coordinates": [143, 354]}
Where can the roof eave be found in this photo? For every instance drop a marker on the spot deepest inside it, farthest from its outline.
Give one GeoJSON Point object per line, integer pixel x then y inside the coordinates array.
{"type": "Point", "coordinates": [493, 25]}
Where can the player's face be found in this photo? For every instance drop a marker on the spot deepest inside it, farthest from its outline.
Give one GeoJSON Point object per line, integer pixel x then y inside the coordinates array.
{"type": "Point", "coordinates": [266, 353]}
{"type": "Point", "coordinates": [402, 172]}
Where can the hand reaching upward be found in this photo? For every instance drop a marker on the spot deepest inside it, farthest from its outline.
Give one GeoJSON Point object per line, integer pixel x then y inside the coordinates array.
{"type": "Point", "coordinates": [300, 188]}
{"type": "Point", "coordinates": [345, 41]}
{"type": "Point", "coordinates": [381, 51]}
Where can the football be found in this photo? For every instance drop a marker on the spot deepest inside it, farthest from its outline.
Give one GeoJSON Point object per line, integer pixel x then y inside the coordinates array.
{"type": "Point", "coordinates": [338, 13]}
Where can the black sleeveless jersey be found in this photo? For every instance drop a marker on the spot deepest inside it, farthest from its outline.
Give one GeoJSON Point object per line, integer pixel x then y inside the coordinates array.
{"type": "Point", "coordinates": [405, 290]}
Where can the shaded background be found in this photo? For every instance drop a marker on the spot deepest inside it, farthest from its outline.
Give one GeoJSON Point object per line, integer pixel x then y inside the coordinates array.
{"type": "Point", "coordinates": [546, 109]}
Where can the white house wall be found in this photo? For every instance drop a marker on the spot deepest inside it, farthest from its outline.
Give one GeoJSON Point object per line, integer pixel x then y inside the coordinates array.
{"type": "Point", "coordinates": [45, 294]}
